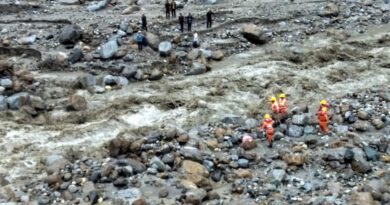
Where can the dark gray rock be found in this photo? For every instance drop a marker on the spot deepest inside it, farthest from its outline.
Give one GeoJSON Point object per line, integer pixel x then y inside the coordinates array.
{"type": "Point", "coordinates": [157, 163]}
{"type": "Point", "coordinates": [120, 182]}
{"type": "Point", "coordinates": [110, 80]}
{"type": "Point", "coordinates": [294, 131]}
{"type": "Point", "coordinates": [371, 153]}
{"type": "Point", "coordinates": [109, 49]}
{"type": "Point", "coordinates": [192, 153]}
{"type": "Point", "coordinates": [300, 119]}
{"type": "Point", "coordinates": [128, 57]}
{"type": "Point", "coordinates": [216, 175]}
{"type": "Point", "coordinates": [17, 100]}
{"type": "Point", "coordinates": [137, 166]}
{"type": "Point", "coordinates": [168, 159]}
{"type": "Point", "coordinates": [93, 197]}
{"type": "Point", "coordinates": [70, 34]}
{"type": "Point", "coordinates": [122, 81]}
{"type": "Point", "coordinates": [165, 48]}
{"type": "Point", "coordinates": [233, 120]}
{"type": "Point", "coordinates": [277, 176]}
{"type": "Point", "coordinates": [156, 74]}
{"type": "Point", "coordinates": [129, 71]}
{"type": "Point", "coordinates": [75, 55]}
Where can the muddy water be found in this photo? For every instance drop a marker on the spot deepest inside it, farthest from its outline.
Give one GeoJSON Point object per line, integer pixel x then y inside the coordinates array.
{"type": "Point", "coordinates": [238, 85]}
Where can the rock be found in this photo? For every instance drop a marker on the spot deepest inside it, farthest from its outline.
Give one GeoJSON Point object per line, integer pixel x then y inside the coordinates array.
{"type": "Point", "coordinates": [98, 6]}
{"type": "Point", "coordinates": [75, 55]}
{"type": "Point", "coordinates": [120, 182]}
{"type": "Point", "coordinates": [77, 103]}
{"type": "Point", "coordinates": [44, 200]}
{"type": "Point", "coordinates": [277, 176]}
{"type": "Point", "coordinates": [109, 49]}
{"type": "Point", "coordinates": [153, 41]}
{"type": "Point", "coordinates": [163, 193]}
{"type": "Point", "coordinates": [243, 163]}
{"type": "Point", "coordinates": [255, 34]}
{"type": "Point", "coordinates": [361, 125]}
{"type": "Point", "coordinates": [122, 81]}
{"type": "Point", "coordinates": [212, 143]}
{"type": "Point", "coordinates": [294, 131]}
{"type": "Point", "coordinates": [53, 179]}
{"type": "Point", "coordinates": [378, 124]}
{"type": "Point", "coordinates": [6, 83]}
{"type": "Point", "coordinates": [191, 153]}
{"type": "Point", "coordinates": [165, 48]}
{"type": "Point", "coordinates": [362, 198]}
{"type": "Point", "coordinates": [183, 138]}
{"type": "Point", "coordinates": [85, 81]}
{"type": "Point", "coordinates": [140, 201]}
{"type": "Point", "coordinates": [363, 115]}
{"type": "Point", "coordinates": [329, 10]}
{"type": "Point", "coordinates": [27, 40]}
{"type": "Point", "coordinates": [2, 89]}
{"type": "Point", "coordinates": [299, 119]}
{"type": "Point", "coordinates": [129, 71]}
{"type": "Point", "coordinates": [69, 2]}
{"type": "Point", "coordinates": [70, 34]}
{"type": "Point", "coordinates": [156, 74]}
{"type": "Point", "coordinates": [243, 173]}
{"type": "Point", "coordinates": [195, 196]}
{"type": "Point", "coordinates": [195, 168]}
{"type": "Point", "coordinates": [93, 197]}
{"type": "Point", "coordinates": [137, 166]}
{"type": "Point", "coordinates": [371, 154]}
{"type": "Point", "coordinates": [193, 54]}
{"type": "Point", "coordinates": [157, 163]}
{"type": "Point", "coordinates": [207, 54]}
{"type": "Point", "coordinates": [196, 69]}
{"type": "Point", "coordinates": [217, 55]}
{"type": "Point", "coordinates": [88, 187]}
{"type": "Point", "coordinates": [110, 80]}
{"type": "Point", "coordinates": [360, 165]}
{"type": "Point", "coordinates": [129, 57]}
{"type": "Point", "coordinates": [368, 2]}
{"type": "Point", "coordinates": [295, 159]}
{"type": "Point", "coordinates": [128, 196]}
{"type": "Point", "coordinates": [385, 158]}
{"type": "Point", "coordinates": [73, 188]}
{"type": "Point", "coordinates": [3, 103]}
{"type": "Point", "coordinates": [17, 100]}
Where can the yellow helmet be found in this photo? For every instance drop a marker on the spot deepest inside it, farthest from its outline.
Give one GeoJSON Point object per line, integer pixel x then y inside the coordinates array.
{"type": "Point", "coordinates": [273, 99]}
{"type": "Point", "coordinates": [282, 95]}
{"type": "Point", "coordinates": [267, 116]}
{"type": "Point", "coordinates": [323, 102]}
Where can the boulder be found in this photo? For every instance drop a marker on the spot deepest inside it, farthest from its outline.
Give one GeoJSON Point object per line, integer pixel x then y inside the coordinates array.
{"type": "Point", "coordinates": [363, 115]}
{"type": "Point", "coordinates": [329, 10]}
{"type": "Point", "coordinates": [128, 196]}
{"type": "Point", "coordinates": [17, 100]}
{"type": "Point", "coordinates": [371, 153]}
{"type": "Point", "coordinates": [361, 198]}
{"type": "Point", "coordinates": [295, 131]}
{"type": "Point", "coordinates": [206, 53]}
{"type": "Point", "coordinates": [85, 81]}
{"type": "Point", "coordinates": [359, 163]}
{"type": "Point", "coordinates": [255, 34]}
{"type": "Point", "coordinates": [243, 173]}
{"type": "Point", "coordinates": [156, 74]}
{"type": "Point", "coordinates": [378, 123]}
{"type": "Point", "coordinates": [129, 71]}
{"type": "Point", "coordinates": [27, 40]}
{"type": "Point", "coordinates": [122, 81]}
{"type": "Point", "coordinates": [277, 176]}
{"type": "Point", "coordinates": [197, 69]}
{"type": "Point", "coordinates": [70, 34]}
{"type": "Point", "coordinates": [195, 196]}
{"type": "Point", "coordinates": [75, 55]}
{"type": "Point", "coordinates": [195, 168]}
{"type": "Point", "coordinates": [6, 83]}
{"type": "Point", "coordinates": [165, 48]}
{"type": "Point", "coordinates": [109, 49]}
{"type": "Point", "coordinates": [153, 41]}
{"type": "Point", "coordinates": [54, 163]}
{"type": "Point", "coordinates": [295, 159]}
{"type": "Point", "coordinates": [300, 119]}
{"type": "Point", "coordinates": [361, 125]}
{"type": "Point", "coordinates": [77, 103]}
{"type": "Point", "coordinates": [193, 54]}
{"type": "Point", "coordinates": [98, 6]}
{"type": "Point", "coordinates": [217, 55]}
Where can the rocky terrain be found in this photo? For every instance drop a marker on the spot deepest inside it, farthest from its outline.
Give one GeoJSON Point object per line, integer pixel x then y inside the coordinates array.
{"type": "Point", "coordinates": [86, 118]}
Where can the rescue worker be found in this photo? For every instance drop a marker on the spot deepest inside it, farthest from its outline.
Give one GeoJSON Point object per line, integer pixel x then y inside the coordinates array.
{"type": "Point", "coordinates": [181, 22]}
{"type": "Point", "coordinates": [139, 38]}
{"type": "Point", "coordinates": [267, 125]}
{"type": "Point", "coordinates": [275, 108]}
{"type": "Point", "coordinates": [323, 104]}
{"type": "Point", "coordinates": [209, 18]}
{"type": "Point", "coordinates": [322, 117]}
{"type": "Point", "coordinates": [189, 21]}
{"type": "Point", "coordinates": [167, 9]}
{"type": "Point", "coordinates": [173, 8]}
{"type": "Point", "coordinates": [282, 106]}
{"type": "Point", "coordinates": [144, 22]}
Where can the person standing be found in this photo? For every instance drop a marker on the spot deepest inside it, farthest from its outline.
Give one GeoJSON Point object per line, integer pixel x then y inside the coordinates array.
{"type": "Point", "coordinates": [282, 107]}
{"type": "Point", "coordinates": [267, 126]}
{"type": "Point", "coordinates": [173, 8]}
{"type": "Point", "coordinates": [181, 22]}
{"type": "Point", "coordinates": [144, 22]}
{"type": "Point", "coordinates": [167, 9]}
{"type": "Point", "coordinates": [322, 117]}
{"type": "Point", "coordinates": [209, 18]}
{"type": "Point", "coordinates": [140, 40]}
{"type": "Point", "coordinates": [189, 21]}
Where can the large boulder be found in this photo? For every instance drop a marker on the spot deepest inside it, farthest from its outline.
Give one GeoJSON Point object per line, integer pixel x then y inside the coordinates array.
{"type": "Point", "coordinates": [329, 10]}
{"type": "Point", "coordinates": [6, 83]}
{"type": "Point", "coordinates": [255, 34]}
{"type": "Point", "coordinates": [165, 48]}
{"type": "Point", "coordinates": [75, 55]}
{"type": "Point", "coordinates": [217, 55]}
{"type": "Point", "coordinates": [153, 41]}
{"type": "Point", "coordinates": [70, 34]}
{"type": "Point", "coordinates": [129, 71]}
{"type": "Point", "coordinates": [18, 100]}
{"type": "Point", "coordinates": [98, 6]}
{"type": "Point", "coordinates": [295, 131]}
{"type": "Point", "coordinates": [109, 49]}
{"type": "Point", "coordinates": [295, 159]}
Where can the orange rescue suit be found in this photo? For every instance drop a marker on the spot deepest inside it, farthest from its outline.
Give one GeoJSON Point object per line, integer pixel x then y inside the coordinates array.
{"type": "Point", "coordinates": [275, 107]}
{"type": "Point", "coordinates": [268, 127]}
{"type": "Point", "coordinates": [322, 118]}
{"type": "Point", "coordinates": [282, 105]}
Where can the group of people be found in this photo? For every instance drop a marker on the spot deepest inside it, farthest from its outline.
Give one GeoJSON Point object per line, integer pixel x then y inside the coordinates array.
{"type": "Point", "coordinates": [170, 9]}
{"type": "Point", "coordinates": [279, 113]}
